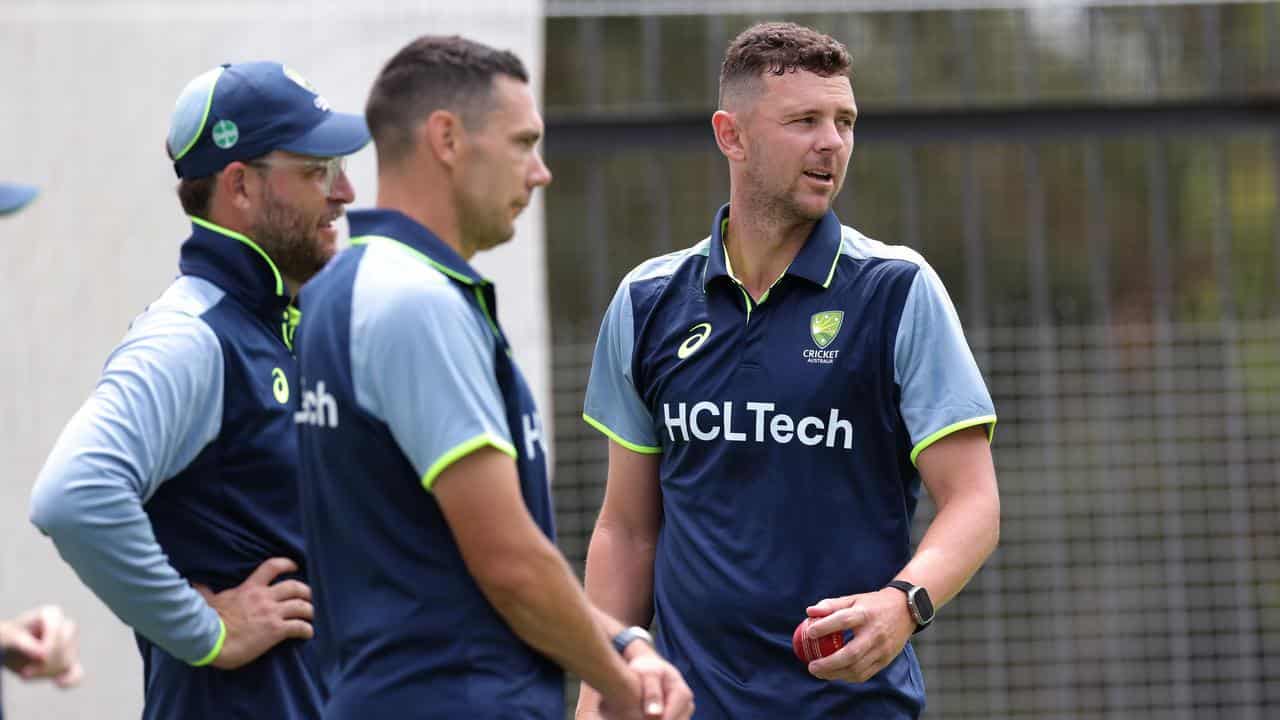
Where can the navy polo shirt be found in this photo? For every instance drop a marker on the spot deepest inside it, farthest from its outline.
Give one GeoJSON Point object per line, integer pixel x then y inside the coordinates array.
{"type": "Point", "coordinates": [788, 430]}
{"type": "Point", "coordinates": [405, 370]}
{"type": "Point", "coordinates": [181, 468]}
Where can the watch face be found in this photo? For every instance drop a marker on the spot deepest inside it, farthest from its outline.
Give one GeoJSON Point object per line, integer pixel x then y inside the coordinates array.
{"type": "Point", "coordinates": [922, 605]}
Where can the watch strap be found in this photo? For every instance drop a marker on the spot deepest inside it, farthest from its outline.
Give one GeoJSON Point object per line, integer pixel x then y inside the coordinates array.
{"type": "Point", "coordinates": [628, 636]}
{"type": "Point", "coordinates": [910, 590]}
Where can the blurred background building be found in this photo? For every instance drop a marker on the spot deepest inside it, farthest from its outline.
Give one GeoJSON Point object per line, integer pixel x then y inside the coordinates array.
{"type": "Point", "coordinates": [1096, 182]}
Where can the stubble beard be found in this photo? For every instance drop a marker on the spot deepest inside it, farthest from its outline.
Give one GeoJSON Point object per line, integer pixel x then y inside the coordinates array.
{"type": "Point", "coordinates": [291, 239]}
{"type": "Point", "coordinates": [482, 227]}
{"type": "Point", "coordinates": [779, 208]}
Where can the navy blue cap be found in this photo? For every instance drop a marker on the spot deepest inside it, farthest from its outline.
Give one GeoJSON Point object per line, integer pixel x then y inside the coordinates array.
{"type": "Point", "coordinates": [13, 197]}
{"type": "Point", "coordinates": [245, 110]}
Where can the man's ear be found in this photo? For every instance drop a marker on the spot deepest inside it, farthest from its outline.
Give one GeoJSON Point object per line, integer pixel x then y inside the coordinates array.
{"type": "Point", "coordinates": [728, 132]}
{"type": "Point", "coordinates": [443, 135]}
{"type": "Point", "coordinates": [234, 184]}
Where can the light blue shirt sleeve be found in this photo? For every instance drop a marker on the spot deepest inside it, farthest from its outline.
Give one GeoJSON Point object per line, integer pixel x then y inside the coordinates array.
{"type": "Point", "coordinates": [156, 406]}
{"type": "Point", "coordinates": [422, 361]}
{"type": "Point", "coordinates": [613, 404]}
{"type": "Point", "coordinates": [942, 389]}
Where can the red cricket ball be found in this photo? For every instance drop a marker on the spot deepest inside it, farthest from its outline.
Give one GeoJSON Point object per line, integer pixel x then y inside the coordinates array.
{"type": "Point", "coordinates": [809, 649]}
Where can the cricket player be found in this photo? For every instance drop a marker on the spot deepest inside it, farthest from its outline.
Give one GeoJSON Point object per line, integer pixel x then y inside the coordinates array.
{"type": "Point", "coordinates": [775, 395]}
{"type": "Point", "coordinates": [173, 491]}
{"type": "Point", "coordinates": [425, 495]}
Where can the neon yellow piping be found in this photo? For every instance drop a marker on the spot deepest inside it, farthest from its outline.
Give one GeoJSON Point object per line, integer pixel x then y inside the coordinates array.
{"type": "Point", "coordinates": [237, 236]}
{"type": "Point", "coordinates": [487, 315]}
{"type": "Point", "coordinates": [366, 239]}
{"type": "Point", "coordinates": [955, 427]}
{"type": "Point", "coordinates": [747, 296]}
{"type": "Point", "coordinates": [217, 647]}
{"type": "Point", "coordinates": [728, 266]}
{"type": "Point", "coordinates": [835, 261]}
{"type": "Point", "coordinates": [642, 449]}
{"type": "Point", "coordinates": [493, 323]}
{"type": "Point", "coordinates": [461, 451]}
{"type": "Point", "coordinates": [208, 104]}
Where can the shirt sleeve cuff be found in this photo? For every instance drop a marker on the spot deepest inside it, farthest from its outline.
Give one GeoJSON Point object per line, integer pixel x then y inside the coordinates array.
{"type": "Point", "coordinates": [217, 647]}
{"type": "Point", "coordinates": [988, 420]}
{"type": "Point", "coordinates": [633, 447]}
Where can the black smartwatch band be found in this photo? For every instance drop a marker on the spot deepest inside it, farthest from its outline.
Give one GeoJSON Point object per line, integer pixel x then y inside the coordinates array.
{"type": "Point", "coordinates": [919, 604]}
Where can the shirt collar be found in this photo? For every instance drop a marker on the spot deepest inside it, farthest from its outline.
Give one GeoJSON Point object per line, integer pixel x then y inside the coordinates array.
{"type": "Point", "coordinates": [816, 261]}
{"type": "Point", "coordinates": [395, 225]}
{"type": "Point", "coordinates": [234, 263]}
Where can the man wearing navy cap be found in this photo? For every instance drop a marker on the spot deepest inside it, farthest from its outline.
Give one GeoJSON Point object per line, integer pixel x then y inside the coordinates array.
{"type": "Point", "coordinates": [173, 492]}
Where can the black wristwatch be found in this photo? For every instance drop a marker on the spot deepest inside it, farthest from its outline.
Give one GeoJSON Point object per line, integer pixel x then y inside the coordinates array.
{"type": "Point", "coordinates": [630, 635]}
{"type": "Point", "coordinates": [918, 603]}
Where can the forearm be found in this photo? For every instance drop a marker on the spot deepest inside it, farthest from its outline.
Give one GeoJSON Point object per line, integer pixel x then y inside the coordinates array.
{"type": "Point", "coordinates": [619, 574]}
{"type": "Point", "coordinates": [961, 537]}
{"type": "Point", "coordinates": [544, 606]}
{"type": "Point", "coordinates": [619, 582]}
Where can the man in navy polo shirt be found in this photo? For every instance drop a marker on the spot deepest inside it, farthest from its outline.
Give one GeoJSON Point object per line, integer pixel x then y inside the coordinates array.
{"type": "Point", "coordinates": [173, 492]}
{"type": "Point", "coordinates": [426, 500]}
{"type": "Point", "coordinates": [774, 397]}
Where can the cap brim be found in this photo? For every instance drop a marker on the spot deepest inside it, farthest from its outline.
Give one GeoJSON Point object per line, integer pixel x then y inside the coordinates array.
{"type": "Point", "coordinates": [339, 134]}
{"type": "Point", "coordinates": [14, 197]}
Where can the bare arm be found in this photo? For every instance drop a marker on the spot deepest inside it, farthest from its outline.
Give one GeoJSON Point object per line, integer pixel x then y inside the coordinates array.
{"type": "Point", "coordinates": [960, 477]}
{"type": "Point", "coordinates": [620, 557]}
{"type": "Point", "coordinates": [524, 576]}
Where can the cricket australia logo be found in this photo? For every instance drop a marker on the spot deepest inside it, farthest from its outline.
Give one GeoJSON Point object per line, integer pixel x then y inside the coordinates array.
{"type": "Point", "coordinates": [823, 329]}
{"type": "Point", "coordinates": [318, 100]}
{"type": "Point", "coordinates": [700, 333]}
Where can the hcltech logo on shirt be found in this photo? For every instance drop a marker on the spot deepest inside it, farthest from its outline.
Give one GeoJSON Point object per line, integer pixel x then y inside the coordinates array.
{"type": "Point", "coordinates": [319, 408]}
{"type": "Point", "coordinates": [710, 421]}
{"type": "Point", "coordinates": [532, 435]}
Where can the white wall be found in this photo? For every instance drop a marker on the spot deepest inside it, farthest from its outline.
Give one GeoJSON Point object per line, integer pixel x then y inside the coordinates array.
{"type": "Point", "coordinates": [85, 96]}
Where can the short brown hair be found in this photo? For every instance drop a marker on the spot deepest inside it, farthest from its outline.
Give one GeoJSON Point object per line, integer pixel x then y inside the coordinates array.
{"type": "Point", "coordinates": [779, 48]}
{"type": "Point", "coordinates": [195, 194]}
{"type": "Point", "coordinates": [434, 73]}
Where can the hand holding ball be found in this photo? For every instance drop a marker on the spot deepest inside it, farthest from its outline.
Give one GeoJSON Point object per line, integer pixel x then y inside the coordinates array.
{"type": "Point", "coordinates": [809, 649]}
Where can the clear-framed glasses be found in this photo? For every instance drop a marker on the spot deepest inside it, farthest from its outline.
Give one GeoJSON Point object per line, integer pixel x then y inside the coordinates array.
{"type": "Point", "coordinates": [324, 170]}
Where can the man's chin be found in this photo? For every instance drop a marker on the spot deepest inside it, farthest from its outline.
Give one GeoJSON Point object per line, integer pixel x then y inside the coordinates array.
{"type": "Point", "coordinates": [812, 209]}
{"type": "Point", "coordinates": [500, 236]}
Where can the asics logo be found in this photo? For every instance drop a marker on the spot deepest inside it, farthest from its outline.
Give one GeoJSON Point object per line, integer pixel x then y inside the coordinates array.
{"type": "Point", "coordinates": [701, 332]}
{"type": "Point", "coordinates": [280, 386]}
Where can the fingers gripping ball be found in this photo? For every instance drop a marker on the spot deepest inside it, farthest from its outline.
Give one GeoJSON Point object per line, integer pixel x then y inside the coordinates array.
{"type": "Point", "coordinates": [809, 649]}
